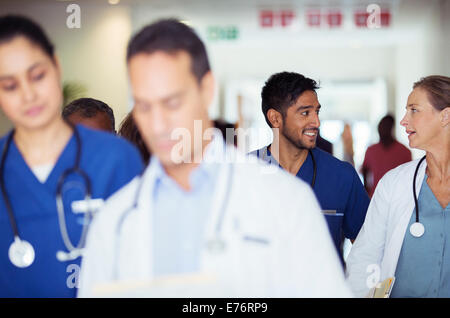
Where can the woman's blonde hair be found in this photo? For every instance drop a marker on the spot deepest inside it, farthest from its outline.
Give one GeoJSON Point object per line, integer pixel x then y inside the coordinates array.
{"type": "Point", "coordinates": [438, 90]}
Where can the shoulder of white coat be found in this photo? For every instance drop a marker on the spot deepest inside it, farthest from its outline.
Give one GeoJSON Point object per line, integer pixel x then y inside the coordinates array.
{"type": "Point", "coordinates": [117, 204]}
{"type": "Point", "coordinates": [398, 173]}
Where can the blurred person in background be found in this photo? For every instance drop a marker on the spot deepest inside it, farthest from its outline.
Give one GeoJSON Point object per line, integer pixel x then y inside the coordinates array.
{"type": "Point", "coordinates": [130, 131]}
{"type": "Point", "coordinates": [91, 113]}
{"type": "Point", "coordinates": [324, 144]}
{"type": "Point", "coordinates": [347, 142]}
{"type": "Point", "coordinates": [383, 156]}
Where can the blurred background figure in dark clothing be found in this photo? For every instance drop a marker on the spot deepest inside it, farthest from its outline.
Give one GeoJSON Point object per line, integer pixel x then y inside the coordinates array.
{"type": "Point", "coordinates": [129, 131]}
{"type": "Point", "coordinates": [223, 125]}
{"type": "Point", "coordinates": [324, 144]}
{"type": "Point", "coordinates": [91, 113]}
{"type": "Point", "coordinates": [383, 156]}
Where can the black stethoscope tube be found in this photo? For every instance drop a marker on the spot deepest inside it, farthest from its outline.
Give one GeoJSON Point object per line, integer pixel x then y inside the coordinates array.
{"type": "Point", "coordinates": [414, 188]}
{"type": "Point", "coordinates": [313, 182]}
{"type": "Point", "coordinates": [8, 205]}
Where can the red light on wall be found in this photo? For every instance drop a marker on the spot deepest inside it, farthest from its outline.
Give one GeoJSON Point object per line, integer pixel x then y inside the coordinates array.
{"type": "Point", "coordinates": [385, 17]}
{"type": "Point", "coordinates": [334, 19]}
{"type": "Point", "coordinates": [362, 16]}
{"type": "Point", "coordinates": [266, 19]}
{"type": "Point", "coordinates": [361, 19]}
{"type": "Point", "coordinates": [287, 17]}
{"type": "Point", "coordinates": [313, 18]}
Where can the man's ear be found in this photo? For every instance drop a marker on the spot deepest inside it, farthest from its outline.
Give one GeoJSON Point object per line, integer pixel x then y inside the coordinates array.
{"type": "Point", "coordinates": [445, 116]}
{"type": "Point", "coordinates": [274, 118]}
{"type": "Point", "coordinates": [207, 86]}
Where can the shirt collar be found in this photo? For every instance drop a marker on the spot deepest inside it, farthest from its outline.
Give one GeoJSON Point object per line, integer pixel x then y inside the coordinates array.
{"type": "Point", "coordinates": [212, 155]}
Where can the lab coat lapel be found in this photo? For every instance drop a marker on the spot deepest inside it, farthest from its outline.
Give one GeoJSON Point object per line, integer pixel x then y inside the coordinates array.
{"type": "Point", "coordinates": [400, 226]}
{"type": "Point", "coordinates": [136, 233]}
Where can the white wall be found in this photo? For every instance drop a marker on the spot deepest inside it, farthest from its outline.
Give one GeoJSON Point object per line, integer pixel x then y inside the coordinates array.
{"type": "Point", "coordinates": [93, 55]}
{"type": "Point", "coordinates": [421, 55]}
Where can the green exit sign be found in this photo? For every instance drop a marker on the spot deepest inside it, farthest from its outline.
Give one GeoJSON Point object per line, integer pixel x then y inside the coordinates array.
{"type": "Point", "coordinates": [222, 33]}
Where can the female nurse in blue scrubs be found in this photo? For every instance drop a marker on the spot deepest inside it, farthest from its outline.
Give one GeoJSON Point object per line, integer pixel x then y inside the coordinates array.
{"type": "Point", "coordinates": [52, 174]}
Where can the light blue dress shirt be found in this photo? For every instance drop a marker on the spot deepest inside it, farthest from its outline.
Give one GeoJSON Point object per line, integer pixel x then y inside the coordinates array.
{"type": "Point", "coordinates": [180, 216]}
{"type": "Point", "coordinates": [423, 268]}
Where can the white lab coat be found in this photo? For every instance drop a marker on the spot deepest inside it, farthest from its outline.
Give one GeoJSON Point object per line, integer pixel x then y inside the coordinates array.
{"type": "Point", "coordinates": [377, 247]}
{"type": "Point", "coordinates": [298, 261]}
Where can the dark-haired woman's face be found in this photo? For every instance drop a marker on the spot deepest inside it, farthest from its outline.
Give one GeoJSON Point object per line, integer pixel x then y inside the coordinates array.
{"type": "Point", "coordinates": [30, 88]}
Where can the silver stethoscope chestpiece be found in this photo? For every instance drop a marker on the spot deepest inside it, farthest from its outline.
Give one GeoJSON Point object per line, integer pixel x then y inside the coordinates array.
{"type": "Point", "coordinates": [417, 229]}
{"type": "Point", "coordinates": [21, 253]}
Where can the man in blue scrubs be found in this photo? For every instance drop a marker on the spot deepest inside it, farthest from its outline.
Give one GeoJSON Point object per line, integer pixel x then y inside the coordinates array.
{"type": "Point", "coordinates": [291, 108]}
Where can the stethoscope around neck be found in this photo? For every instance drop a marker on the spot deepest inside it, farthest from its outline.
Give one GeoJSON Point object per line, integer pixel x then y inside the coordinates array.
{"type": "Point", "coordinates": [417, 229]}
{"type": "Point", "coordinates": [21, 253]}
{"type": "Point", "coordinates": [214, 244]}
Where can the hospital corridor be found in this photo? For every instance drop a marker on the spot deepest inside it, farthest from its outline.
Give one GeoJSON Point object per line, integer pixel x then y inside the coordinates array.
{"type": "Point", "coordinates": [225, 155]}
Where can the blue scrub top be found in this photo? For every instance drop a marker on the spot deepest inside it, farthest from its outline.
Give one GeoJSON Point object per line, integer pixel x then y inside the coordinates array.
{"type": "Point", "coordinates": [109, 161]}
{"type": "Point", "coordinates": [423, 268]}
{"type": "Point", "coordinates": [338, 189]}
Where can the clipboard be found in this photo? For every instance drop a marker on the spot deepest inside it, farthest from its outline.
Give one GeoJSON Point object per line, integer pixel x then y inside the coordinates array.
{"type": "Point", "coordinates": [383, 289]}
{"type": "Point", "coordinates": [194, 285]}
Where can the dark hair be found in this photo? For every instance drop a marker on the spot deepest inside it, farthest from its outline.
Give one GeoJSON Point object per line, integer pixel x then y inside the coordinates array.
{"type": "Point", "coordinates": [223, 125]}
{"type": "Point", "coordinates": [171, 36]}
{"type": "Point", "coordinates": [385, 127]}
{"type": "Point", "coordinates": [89, 107]}
{"type": "Point", "coordinates": [387, 121]}
{"type": "Point", "coordinates": [129, 131]}
{"type": "Point", "coordinates": [281, 90]}
{"type": "Point", "coordinates": [438, 90]}
{"type": "Point", "coordinates": [12, 26]}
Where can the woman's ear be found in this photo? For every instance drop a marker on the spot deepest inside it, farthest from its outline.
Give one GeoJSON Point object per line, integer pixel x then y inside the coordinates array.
{"type": "Point", "coordinates": [274, 118]}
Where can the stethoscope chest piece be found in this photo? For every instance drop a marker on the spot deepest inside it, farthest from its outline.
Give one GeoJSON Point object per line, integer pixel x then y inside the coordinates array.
{"type": "Point", "coordinates": [21, 253]}
{"type": "Point", "coordinates": [417, 229]}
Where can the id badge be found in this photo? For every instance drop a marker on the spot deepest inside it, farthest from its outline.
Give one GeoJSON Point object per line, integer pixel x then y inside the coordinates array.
{"type": "Point", "coordinates": [84, 206]}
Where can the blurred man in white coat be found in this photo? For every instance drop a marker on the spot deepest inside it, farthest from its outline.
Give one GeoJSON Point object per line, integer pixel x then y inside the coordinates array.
{"type": "Point", "coordinates": [202, 207]}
